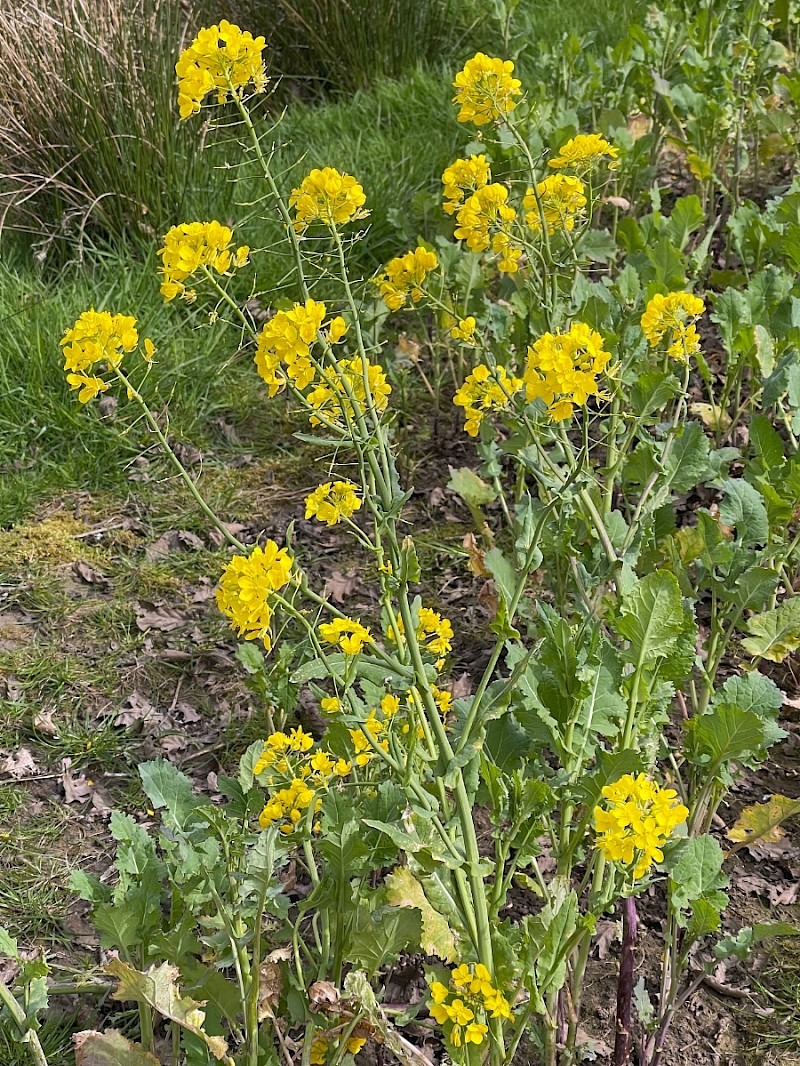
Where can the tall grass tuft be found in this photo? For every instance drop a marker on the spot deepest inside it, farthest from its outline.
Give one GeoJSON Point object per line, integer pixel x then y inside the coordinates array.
{"type": "Point", "coordinates": [89, 137]}
{"type": "Point", "coordinates": [346, 45]}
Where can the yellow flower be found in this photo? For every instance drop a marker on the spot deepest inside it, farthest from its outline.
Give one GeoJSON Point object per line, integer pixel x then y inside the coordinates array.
{"type": "Point", "coordinates": [439, 992]}
{"type": "Point", "coordinates": [640, 817]}
{"type": "Point", "coordinates": [287, 339]}
{"type": "Point", "coordinates": [319, 1051]}
{"type": "Point", "coordinates": [465, 175]}
{"type": "Point", "coordinates": [98, 336]}
{"type": "Point", "coordinates": [89, 387]}
{"type": "Point", "coordinates": [464, 330]}
{"type": "Point", "coordinates": [562, 201]}
{"type": "Point", "coordinates": [440, 1013]}
{"type": "Point", "coordinates": [221, 57]}
{"type": "Point", "coordinates": [355, 1044]}
{"type": "Point", "coordinates": [674, 314]}
{"type": "Point", "coordinates": [330, 704]}
{"type": "Point", "coordinates": [189, 247]}
{"type": "Point", "coordinates": [483, 210]}
{"type": "Point", "coordinates": [333, 399]}
{"type": "Point", "coordinates": [245, 587]}
{"type": "Point", "coordinates": [485, 89]}
{"type": "Point", "coordinates": [403, 277]}
{"type": "Point", "coordinates": [484, 392]}
{"type": "Point", "coordinates": [333, 501]}
{"type": "Point", "coordinates": [475, 1032]}
{"type": "Point", "coordinates": [461, 976]}
{"type": "Point", "coordinates": [328, 197]}
{"type": "Point", "coordinates": [584, 152]}
{"type": "Point", "coordinates": [350, 635]}
{"type": "Point", "coordinates": [562, 369]}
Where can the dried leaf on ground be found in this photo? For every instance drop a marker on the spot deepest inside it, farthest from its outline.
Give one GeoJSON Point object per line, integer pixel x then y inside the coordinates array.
{"type": "Point", "coordinates": [19, 764]}
{"type": "Point", "coordinates": [339, 585]}
{"type": "Point", "coordinates": [165, 619]}
{"type": "Point", "coordinates": [174, 540]}
{"type": "Point", "coordinates": [109, 1048]}
{"type": "Point", "coordinates": [89, 574]}
{"type": "Point", "coordinates": [76, 789]}
{"type": "Point", "coordinates": [134, 708]}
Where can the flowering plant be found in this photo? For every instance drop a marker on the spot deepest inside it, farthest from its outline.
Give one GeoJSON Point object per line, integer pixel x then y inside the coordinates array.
{"type": "Point", "coordinates": [577, 397]}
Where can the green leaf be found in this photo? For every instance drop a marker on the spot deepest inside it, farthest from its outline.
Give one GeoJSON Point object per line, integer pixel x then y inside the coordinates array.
{"type": "Point", "coordinates": [247, 764]}
{"type": "Point", "coordinates": [436, 938]}
{"type": "Point", "coordinates": [652, 617]}
{"type": "Point", "coordinates": [165, 786]}
{"type": "Point", "coordinates": [381, 936]}
{"type": "Point", "coordinates": [251, 658]}
{"type": "Point", "coordinates": [8, 945]}
{"type": "Point", "coordinates": [695, 872]}
{"type": "Point", "coordinates": [774, 634]}
{"type": "Point", "coordinates": [109, 1048]}
{"type": "Point", "coordinates": [473, 490]}
{"type": "Point", "coordinates": [652, 392]}
{"type": "Point", "coordinates": [743, 507]}
{"type": "Point", "coordinates": [687, 463]}
{"type": "Point", "coordinates": [740, 945]}
{"type": "Point", "coordinates": [754, 588]}
{"type": "Point", "coordinates": [686, 217]}
{"type": "Point", "coordinates": [611, 766]}
{"type": "Point", "coordinates": [158, 987]}
{"type": "Point", "coordinates": [766, 442]}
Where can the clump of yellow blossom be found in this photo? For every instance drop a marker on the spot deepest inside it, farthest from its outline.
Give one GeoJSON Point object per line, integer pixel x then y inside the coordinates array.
{"type": "Point", "coordinates": [402, 277]}
{"type": "Point", "coordinates": [486, 89]}
{"type": "Point", "coordinates": [640, 817]}
{"type": "Point", "coordinates": [483, 392]}
{"type": "Point", "coordinates": [332, 399]}
{"type": "Point", "coordinates": [192, 246]}
{"type": "Point", "coordinates": [562, 201]}
{"type": "Point", "coordinates": [464, 330]}
{"type": "Point", "coordinates": [329, 197]}
{"type": "Point", "coordinates": [482, 222]}
{"type": "Point", "coordinates": [562, 369]}
{"type": "Point", "coordinates": [434, 632]}
{"type": "Point", "coordinates": [333, 501]}
{"type": "Point", "coordinates": [584, 152]}
{"type": "Point", "coordinates": [98, 337]}
{"type": "Point", "coordinates": [319, 1048]}
{"type": "Point", "coordinates": [221, 57]}
{"type": "Point", "coordinates": [674, 315]}
{"type": "Point", "coordinates": [288, 759]}
{"type": "Point", "coordinates": [350, 635]}
{"type": "Point", "coordinates": [464, 176]}
{"type": "Point", "coordinates": [245, 588]}
{"type": "Point", "coordinates": [287, 339]}
{"type": "Point", "coordinates": [471, 995]}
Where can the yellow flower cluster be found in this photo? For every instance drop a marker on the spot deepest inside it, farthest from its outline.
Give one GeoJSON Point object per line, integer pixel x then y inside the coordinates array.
{"type": "Point", "coordinates": [481, 220]}
{"type": "Point", "coordinates": [434, 632]}
{"type": "Point", "coordinates": [287, 339]}
{"type": "Point", "coordinates": [320, 1045]}
{"type": "Point", "coordinates": [333, 501]}
{"type": "Point", "coordinates": [350, 635]}
{"type": "Point", "coordinates": [473, 995]}
{"type": "Point", "coordinates": [329, 197]}
{"type": "Point", "coordinates": [222, 57]}
{"type": "Point", "coordinates": [245, 587]}
{"type": "Point", "coordinates": [562, 200]}
{"type": "Point", "coordinates": [562, 369]}
{"type": "Point", "coordinates": [674, 314]}
{"type": "Point", "coordinates": [191, 246]}
{"type": "Point", "coordinates": [464, 330]}
{"type": "Point", "coordinates": [483, 392]}
{"type": "Point", "coordinates": [98, 337]}
{"type": "Point", "coordinates": [403, 277]}
{"type": "Point", "coordinates": [289, 756]}
{"type": "Point", "coordinates": [584, 152]}
{"type": "Point", "coordinates": [464, 176]}
{"type": "Point", "coordinates": [331, 397]}
{"type": "Point", "coordinates": [486, 89]}
{"type": "Point", "coordinates": [640, 817]}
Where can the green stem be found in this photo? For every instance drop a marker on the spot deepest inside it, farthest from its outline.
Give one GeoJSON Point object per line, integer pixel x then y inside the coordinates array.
{"type": "Point", "coordinates": [18, 1015]}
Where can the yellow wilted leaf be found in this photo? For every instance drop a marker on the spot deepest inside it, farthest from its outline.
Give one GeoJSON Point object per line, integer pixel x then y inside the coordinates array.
{"type": "Point", "coordinates": [404, 890]}
{"type": "Point", "coordinates": [762, 821]}
{"type": "Point", "coordinates": [712, 416]}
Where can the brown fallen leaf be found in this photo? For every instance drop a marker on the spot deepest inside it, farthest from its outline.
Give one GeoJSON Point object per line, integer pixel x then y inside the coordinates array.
{"type": "Point", "coordinates": [134, 708]}
{"type": "Point", "coordinates": [19, 764]}
{"type": "Point", "coordinates": [10, 688]}
{"type": "Point", "coordinates": [605, 935]}
{"type": "Point", "coordinates": [174, 540]}
{"type": "Point", "coordinates": [461, 687]}
{"type": "Point", "coordinates": [164, 619]}
{"type": "Point", "coordinates": [323, 996]}
{"type": "Point", "coordinates": [340, 585]}
{"type": "Point", "coordinates": [76, 789]}
{"type": "Point", "coordinates": [89, 574]}
{"type": "Point", "coordinates": [475, 556]}
{"type": "Point", "coordinates": [43, 722]}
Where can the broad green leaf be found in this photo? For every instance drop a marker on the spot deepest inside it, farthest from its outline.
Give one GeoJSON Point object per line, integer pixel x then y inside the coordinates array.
{"type": "Point", "coordinates": [695, 872]}
{"type": "Point", "coordinates": [158, 987]}
{"type": "Point", "coordinates": [743, 507]}
{"type": "Point", "coordinates": [774, 634]}
{"type": "Point", "coordinates": [706, 918]}
{"type": "Point", "coordinates": [687, 462]}
{"type": "Point", "coordinates": [611, 766]}
{"type": "Point", "coordinates": [766, 442]}
{"type": "Point", "coordinates": [8, 945]}
{"type": "Point", "coordinates": [687, 216]}
{"type": "Point", "coordinates": [740, 945]}
{"type": "Point", "coordinates": [251, 658]}
{"type": "Point", "coordinates": [473, 490]}
{"type": "Point", "coordinates": [165, 786]}
{"type": "Point", "coordinates": [762, 821]}
{"type": "Point", "coordinates": [725, 734]}
{"type": "Point", "coordinates": [88, 887]}
{"type": "Point", "coordinates": [109, 1048]}
{"type": "Point", "coordinates": [652, 617]}
{"type": "Point", "coordinates": [379, 937]}
{"type": "Point", "coordinates": [404, 890]}
{"type": "Point", "coordinates": [247, 764]}
{"type": "Point", "coordinates": [754, 588]}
